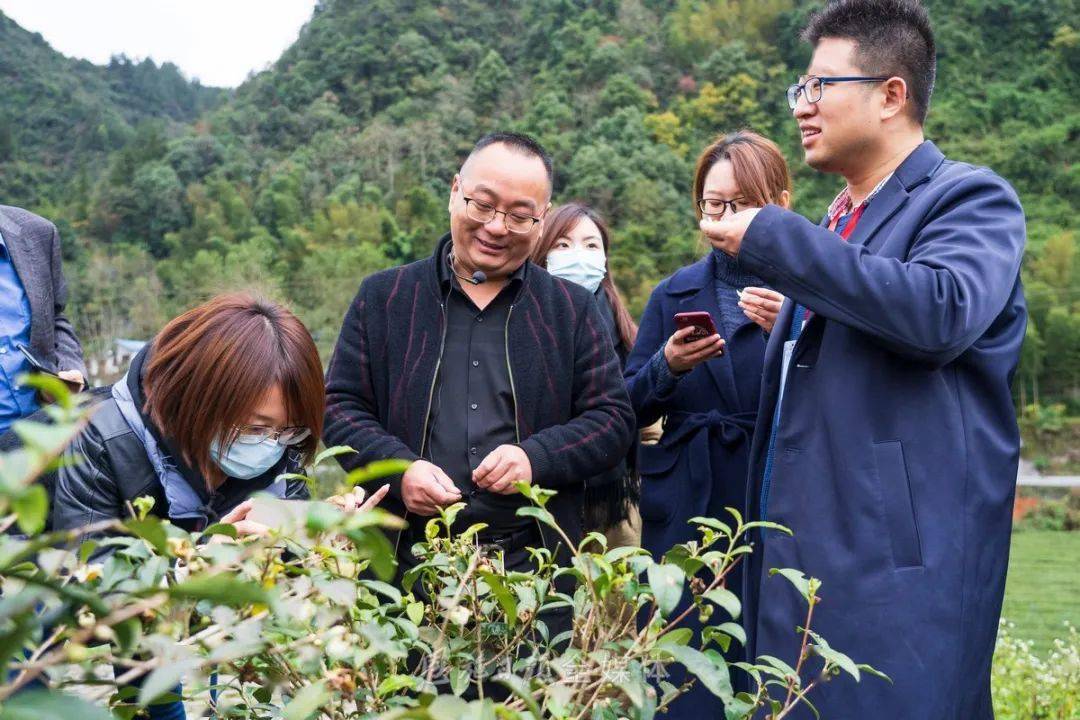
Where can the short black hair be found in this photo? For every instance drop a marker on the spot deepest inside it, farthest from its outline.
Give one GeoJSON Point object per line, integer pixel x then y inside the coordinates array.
{"type": "Point", "coordinates": [892, 37]}
{"type": "Point", "coordinates": [524, 144]}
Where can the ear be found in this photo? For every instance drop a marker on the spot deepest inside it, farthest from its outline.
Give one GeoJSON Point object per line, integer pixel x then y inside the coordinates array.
{"type": "Point", "coordinates": [895, 97]}
{"type": "Point", "coordinates": [784, 200]}
{"type": "Point", "coordinates": [543, 219]}
{"type": "Point", "coordinates": [454, 185]}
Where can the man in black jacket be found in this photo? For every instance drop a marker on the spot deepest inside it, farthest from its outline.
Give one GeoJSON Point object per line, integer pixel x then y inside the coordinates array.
{"type": "Point", "coordinates": [480, 368]}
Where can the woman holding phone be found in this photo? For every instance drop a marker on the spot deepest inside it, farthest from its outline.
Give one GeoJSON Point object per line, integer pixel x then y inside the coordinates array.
{"type": "Point", "coordinates": [705, 390]}
{"type": "Point", "coordinates": [227, 397]}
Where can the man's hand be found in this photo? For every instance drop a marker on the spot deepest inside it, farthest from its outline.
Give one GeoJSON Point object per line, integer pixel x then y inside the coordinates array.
{"type": "Point", "coordinates": [504, 466]}
{"type": "Point", "coordinates": [73, 378]}
{"type": "Point", "coordinates": [425, 488]}
{"type": "Point", "coordinates": [726, 234]}
{"type": "Point", "coordinates": [354, 500]}
{"type": "Point", "coordinates": [761, 305]}
{"type": "Point", "coordinates": [684, 356]}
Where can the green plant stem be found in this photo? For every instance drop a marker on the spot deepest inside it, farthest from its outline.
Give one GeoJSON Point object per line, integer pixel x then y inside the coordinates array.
{"type": "Point", "coordinates": [30, 672]}
{"type": "Point", "coordinates": [792, 682]}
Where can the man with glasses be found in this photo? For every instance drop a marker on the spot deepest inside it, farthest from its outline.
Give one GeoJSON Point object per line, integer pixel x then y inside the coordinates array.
{"type": "Point", "coordinates": [886, 438]}
{"type": "Point", "coordinates": [480, 368]}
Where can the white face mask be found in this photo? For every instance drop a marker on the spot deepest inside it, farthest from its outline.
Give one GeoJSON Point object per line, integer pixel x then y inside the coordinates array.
{"type": "Point", "coordinates": [584, 267]}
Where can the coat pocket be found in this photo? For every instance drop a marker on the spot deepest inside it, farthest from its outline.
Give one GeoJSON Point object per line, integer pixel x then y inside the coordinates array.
{"type": "Point", "coordinates": [659, 468]}
{"type": "Point", "coordinates": [899, 509]}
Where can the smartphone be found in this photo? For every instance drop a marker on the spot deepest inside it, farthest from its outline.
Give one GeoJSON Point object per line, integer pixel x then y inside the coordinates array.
{"type": "Point", "coordinates": [35, 365]}
{"type": "Point", "coordinates": [700, 320]}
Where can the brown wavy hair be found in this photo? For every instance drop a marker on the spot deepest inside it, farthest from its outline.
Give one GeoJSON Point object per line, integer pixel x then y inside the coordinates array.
{"type": "Point", "coordinates": [558, 223]}
{"type": "Point", "coordinates": [210, 368]}
{"type": "Point", "coordinates": [761, 172]}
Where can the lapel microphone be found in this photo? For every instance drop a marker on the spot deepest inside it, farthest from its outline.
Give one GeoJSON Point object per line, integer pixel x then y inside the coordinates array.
{"type": "Point", "coordinates": [477, 277]}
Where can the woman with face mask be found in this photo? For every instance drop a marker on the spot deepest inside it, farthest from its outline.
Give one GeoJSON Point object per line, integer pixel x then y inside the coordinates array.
{"type": "Point", "coordinates": [574, 246]}
{"type": "Point", "coordinates": [705, 390]}
{"type": "Point", "coordinates": [228, 397]}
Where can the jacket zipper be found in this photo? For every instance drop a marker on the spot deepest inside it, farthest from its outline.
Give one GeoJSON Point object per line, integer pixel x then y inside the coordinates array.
{"type": "Point", "coordinates": [513, 399]}
{"type": "Point", "coordinates": [431, 398]}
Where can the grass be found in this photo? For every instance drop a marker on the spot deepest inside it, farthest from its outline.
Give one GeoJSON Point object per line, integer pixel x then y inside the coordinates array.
{"type": "Point", "coordinates": [1043, 586]}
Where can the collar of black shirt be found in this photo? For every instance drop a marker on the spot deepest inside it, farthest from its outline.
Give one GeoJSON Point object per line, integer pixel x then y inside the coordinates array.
{"type": "Point", "coordinates": [448, 279]}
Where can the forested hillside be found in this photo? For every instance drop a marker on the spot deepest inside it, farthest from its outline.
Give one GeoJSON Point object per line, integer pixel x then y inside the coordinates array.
{"type": "Point", "coordinates": [336, 161]}
{"type": "Point", "coordinates": [59, 118]}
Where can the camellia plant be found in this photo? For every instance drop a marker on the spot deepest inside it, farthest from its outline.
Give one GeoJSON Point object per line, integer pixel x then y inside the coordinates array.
{"type": "Point", "coordinates": [306, 623]}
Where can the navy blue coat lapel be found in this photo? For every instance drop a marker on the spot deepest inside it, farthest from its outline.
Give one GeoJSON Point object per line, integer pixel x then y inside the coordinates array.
{"type": "Point", "coordinates": [915, 170]}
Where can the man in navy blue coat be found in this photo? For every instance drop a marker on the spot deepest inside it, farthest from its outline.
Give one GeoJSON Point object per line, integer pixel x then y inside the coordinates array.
{"type": "Point", "coordinates": [886, 436]}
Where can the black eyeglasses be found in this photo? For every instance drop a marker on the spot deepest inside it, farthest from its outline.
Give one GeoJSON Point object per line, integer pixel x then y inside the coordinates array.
{"type": "Point", "coordinates": [812, 87]}
{"type": "Point", "coordinates": [482, 212]}
{"type": "Point", "coordinates": [717, 208]}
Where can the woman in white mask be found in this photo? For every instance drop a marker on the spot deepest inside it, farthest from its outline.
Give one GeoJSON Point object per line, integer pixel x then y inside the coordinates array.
{"type": "Point", "coordinates": [574, 246]}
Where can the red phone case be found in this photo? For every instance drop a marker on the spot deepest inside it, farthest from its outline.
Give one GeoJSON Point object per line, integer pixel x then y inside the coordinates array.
{"type": "Point", "coordinates": [700, 320]}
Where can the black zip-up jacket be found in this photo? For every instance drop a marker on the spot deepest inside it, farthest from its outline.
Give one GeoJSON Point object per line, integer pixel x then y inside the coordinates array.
{"type": "Point", "coordinates": [573, 414]}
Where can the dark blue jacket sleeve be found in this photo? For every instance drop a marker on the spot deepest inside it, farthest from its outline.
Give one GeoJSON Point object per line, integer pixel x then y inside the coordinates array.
{"type": "Point", "coordinates": [930, 307]}
{"type": "Point", "coordinates": [649, 381]}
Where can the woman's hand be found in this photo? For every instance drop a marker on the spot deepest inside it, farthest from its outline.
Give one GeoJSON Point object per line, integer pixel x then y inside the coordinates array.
{"type": "Point", "coordinates": [761, 305]}
{"type": "Point", "coordinates": [354, 501]}
{"type": "Point", "coordinates": [683, 356]}
{"type": "Point", "coordinates": [237, 517]}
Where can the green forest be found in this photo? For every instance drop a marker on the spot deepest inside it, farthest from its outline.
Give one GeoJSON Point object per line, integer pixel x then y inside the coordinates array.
{"type": "Point", "coordinates": [336, 161]}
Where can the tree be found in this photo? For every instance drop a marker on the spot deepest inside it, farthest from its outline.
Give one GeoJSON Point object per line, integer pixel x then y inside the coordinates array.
{"type": "Point", "coordinates": [1032, 356]}
{"type": "Point", "coordinates": [491, 80]}
{"type": "Point", "coordinates": [7, 140]}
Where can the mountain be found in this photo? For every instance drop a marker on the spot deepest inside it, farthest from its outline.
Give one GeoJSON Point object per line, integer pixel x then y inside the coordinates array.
{"type": "Point", "coordinates": [59, 115]}
{"type": "Point", "coordinates": [336, 161]}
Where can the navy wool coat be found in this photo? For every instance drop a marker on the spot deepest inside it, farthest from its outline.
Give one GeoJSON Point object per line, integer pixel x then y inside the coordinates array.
{"type": "Point", "coordinates": [896, 455]}
{"type": "Point", "coordinates": [699, 467]}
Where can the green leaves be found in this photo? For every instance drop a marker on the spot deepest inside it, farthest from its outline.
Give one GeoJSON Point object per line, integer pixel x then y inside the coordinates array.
{"type": "Point", "coordinates": [711, 670]}
{"type": "Point", "coordinates": [725, 599]}
{"type": "Point", "coordinates": [666, 582]}
{"type": "Point", "coordinates": [506, 599]}
{"type": "Point", "coordinates": [47, 705]}
{"type": "Point", "coordinates": [373, 471]}
{"type": "Point", "coordinates": [162, 682]}
{"type": "Point", "coordinates": [539, 513]}
{"type": "Point", "coordinates": [820, 647]}
{"type": "Point", "coordinates": [222, 589]}
{"type": "Point", "coordinates": [799, 581]}
{"type": "Point", "coordinates": [712, 523]}
{"type": "Point", "coordinates": [306, 702]}
{"type": "Point", "coordinates": [152, 531]}
{"type": "Point", "coordinates": [332, 452]}
{"type": "Point", "coordinates": [31, 508]}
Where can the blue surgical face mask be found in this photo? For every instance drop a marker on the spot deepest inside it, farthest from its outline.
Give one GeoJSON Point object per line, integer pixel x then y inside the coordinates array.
{"type": "Point", "coordinates": [584, 267]}
{"type": "Point", "coordinates": [247, 461]}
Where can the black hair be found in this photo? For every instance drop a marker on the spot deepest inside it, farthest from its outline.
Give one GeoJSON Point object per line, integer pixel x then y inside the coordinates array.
{"type": "Point", "coordinates": [522, 143]}
{"type": "Point", "coordinates": [892, 37]}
